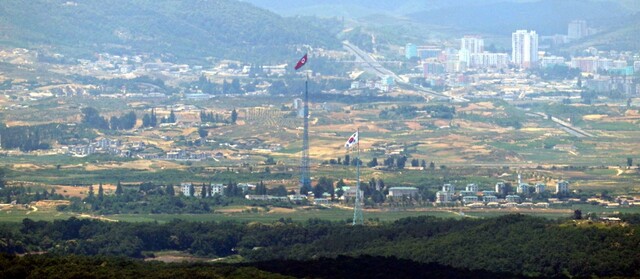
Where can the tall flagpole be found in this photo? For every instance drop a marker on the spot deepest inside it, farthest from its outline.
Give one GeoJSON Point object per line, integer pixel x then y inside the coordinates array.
{"type": "Point", "coordinates": [358, 219]}
{"type": "Point", "coordinates": [305, 178]}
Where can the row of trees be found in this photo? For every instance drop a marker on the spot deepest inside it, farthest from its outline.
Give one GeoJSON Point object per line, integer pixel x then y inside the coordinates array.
{"type": "Point", "coordinates": [124, 122]}
{"type": "Point", "coordinates": [145, 197]}
{"type": "Point", "coordinates": [347, 161]}
{"type": "Point", "coordinates": [374, 189]}
{"type": "Point", "coordinates": [169, 119]}
{"type": "Point", "coordinates": [211, 118]}
{"type": "Point", "coordinates": [29, 138]}
{"type": "Point", "coordinates": [232, 87]}
{"type": "Point", "coordinates": [390, 162]}
{"type": "Point", "coordinates": [409, 112]}
{"type": "Point", "coordinates": [150, 120]}
{"type": "Point", "coordinates": [216, 118]}
{"type": "Point", "coordinates": [24, 195]}
{"type": "Point", "coordinates": [91, 118]}
{"type": "Point", "coordinates": [153, 198]}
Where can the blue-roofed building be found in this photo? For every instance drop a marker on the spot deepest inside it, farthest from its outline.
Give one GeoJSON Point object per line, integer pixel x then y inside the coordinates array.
{"type": "Point", "coordinates": [410, 51]}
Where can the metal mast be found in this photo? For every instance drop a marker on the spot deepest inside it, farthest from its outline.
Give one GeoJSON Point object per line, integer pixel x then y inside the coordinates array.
{"type": "Point", "coordinates": [305, 178]}
{"type": "Point", "coordinates": [358, 218]}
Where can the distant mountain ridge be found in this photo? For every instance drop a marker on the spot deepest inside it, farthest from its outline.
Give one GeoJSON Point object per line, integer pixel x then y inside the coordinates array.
{"type": "Point", "coordinates": [616, 19]}
{"type": "Point", "coordinates": [360, 8]}
{"type": "Point", "coordinates": [186, 29]}
{"type": "Point", "coordinates": [546, 17]}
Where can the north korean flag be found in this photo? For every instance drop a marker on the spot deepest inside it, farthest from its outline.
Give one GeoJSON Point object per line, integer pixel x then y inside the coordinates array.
{"type": "Point", "coordinates": [302, 61]}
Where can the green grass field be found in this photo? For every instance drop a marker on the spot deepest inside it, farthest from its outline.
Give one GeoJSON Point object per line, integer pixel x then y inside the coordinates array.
{"type": "Point", "coordinates": [551, 214]}
{"type": "Point", "coordinates": [326, 214]}
{"type": "Point", "coordinates": [332, 214]}
{"type": "Point", "coordinates": [13, 215]}
{"type": "Point", "coordinates": [19, 215]}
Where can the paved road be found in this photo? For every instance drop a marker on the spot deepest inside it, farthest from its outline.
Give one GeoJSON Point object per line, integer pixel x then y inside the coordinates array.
{"type": "Point", "coordinates": [373, 66]}
{"type": "Point", "coordinates": [370, 64]}
{"type": "Point", "coordinates": [571, 129]}
{"type": "Point", "coordinates": [566, 126]}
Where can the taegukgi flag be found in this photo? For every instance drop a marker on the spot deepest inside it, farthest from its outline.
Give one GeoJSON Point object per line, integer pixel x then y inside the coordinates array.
{"type": "Point", "coordinates": [302, 61]}
{"type": "Point", "coordinates": [353, 140]}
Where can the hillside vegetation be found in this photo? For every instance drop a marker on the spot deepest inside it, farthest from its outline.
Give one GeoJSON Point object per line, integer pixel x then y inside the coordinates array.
{"type": "Point", "coordinates": [186, 29]}
{"type": "Point", "coordinates": [514, 244]}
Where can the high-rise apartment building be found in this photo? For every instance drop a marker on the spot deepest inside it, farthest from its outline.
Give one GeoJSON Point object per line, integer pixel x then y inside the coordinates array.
{"type": "Point", "coordinates": [470, 45]}
{"type": "Point", "coordinates": [577, 29]}
{"type": "Point", "coordinates": [474, 44]}
{"type": "Point", "coordinates": [524, 48]}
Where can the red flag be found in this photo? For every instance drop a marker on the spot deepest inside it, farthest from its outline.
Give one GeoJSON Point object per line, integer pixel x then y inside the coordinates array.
{"type": "Point", "coordinates": [302, 61]}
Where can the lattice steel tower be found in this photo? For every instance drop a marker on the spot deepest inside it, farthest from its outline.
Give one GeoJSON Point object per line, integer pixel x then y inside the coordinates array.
{"type": "Point", "coordinates": [305, 177]}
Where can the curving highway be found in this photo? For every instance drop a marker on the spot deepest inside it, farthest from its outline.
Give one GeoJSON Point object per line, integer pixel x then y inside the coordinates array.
{"type": "Point", "coordinates": [373, 66]}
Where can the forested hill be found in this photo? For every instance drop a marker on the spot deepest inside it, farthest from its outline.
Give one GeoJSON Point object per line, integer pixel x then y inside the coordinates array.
{"type": "Point", "coordinates": [359, 8]}
{"type": "Point", "coordinates": [186, 29]}
{"type": "Point", "coordinates": [511, 244]}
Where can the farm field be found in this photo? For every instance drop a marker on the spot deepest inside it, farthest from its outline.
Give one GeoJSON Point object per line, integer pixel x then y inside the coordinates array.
{"type": "Point", "coordinates": [244, 214]}
{"type": "Point", "coordinates": [331, 214]}
{"type": "Point", "coordinates": [477, 135]}
{"type": "Point", "coordinates": [616, 180]}
{"type": "Point", "coordinates": [484, 143]}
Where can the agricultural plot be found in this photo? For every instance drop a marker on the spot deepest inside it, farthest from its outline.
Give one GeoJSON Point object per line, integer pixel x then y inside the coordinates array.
{"type": "Point", "coordinates": [477, 137]}
{"type": "Point", "coordinates": [267, 117]}
{"type": "Point", "coordinates": [241, 215]}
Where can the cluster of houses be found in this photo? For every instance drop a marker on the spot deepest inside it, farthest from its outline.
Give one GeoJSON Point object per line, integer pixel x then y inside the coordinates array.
{"type": "Point", "coordinates": [184, 155]}
{"type": "Point", "coordinates": [191, 190]}
{"type": "Point", "coordinates": [104, 146]}
{"type": "Point", "coordinates": [116, 147]}
{"type": "Point", "coordinates": [383, 85]}
{"type": "Point", "coordinates": [620, 201]}
{"type": "Point", "coordinates": [471, 197]}
{"type": "Point", "coordinates": [501, 196]}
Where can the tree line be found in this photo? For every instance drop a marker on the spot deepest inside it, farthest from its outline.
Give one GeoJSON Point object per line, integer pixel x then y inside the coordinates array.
{"type": "Point", "coordinates": [29, 138]}
{"type": "Point", "coordinates": [38, 137]}
{"type": "Point", "coordinates": [151, 198]}
{"type": "Point", "coordinates": [210, 117]}
{"type": "Point", "coordinates": [25, 195]}
{"type": "Point", "coordinates": [70, 266]}
{"type": "Point", "coordinates": [516, 244]}
{"type": "Point", "coordinates": [91, 118]}
{"type": "Point", "coordinates": [395, 161]}
{"type": "Point", "coordinates": [410, 112]}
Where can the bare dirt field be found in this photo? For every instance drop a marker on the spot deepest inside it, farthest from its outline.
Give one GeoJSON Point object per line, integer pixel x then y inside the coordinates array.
{"type": "Point", "coordinates": [274, 210]}
{"type": "Point", "coordinates": [82, 191]}
{"type": "Point", "coordinates": [144, 165]}
{"type": "Point", "coordinates": [50, 204]}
